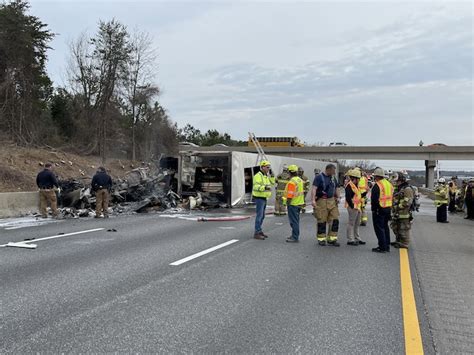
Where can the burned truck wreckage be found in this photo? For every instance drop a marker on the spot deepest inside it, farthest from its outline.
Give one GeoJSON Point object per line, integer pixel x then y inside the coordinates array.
{"type": "Point", "coordinates": [141, 190]}
{"type": "Point", "coordinates": [224, 178]}
{"type": "Point", "coordinates": [193, 180]}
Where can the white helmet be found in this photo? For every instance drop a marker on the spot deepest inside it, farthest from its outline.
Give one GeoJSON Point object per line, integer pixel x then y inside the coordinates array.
{"type": "Point", "coordinates": [442, 180]}
{"type": "Point", "coordinates": [379, 172]}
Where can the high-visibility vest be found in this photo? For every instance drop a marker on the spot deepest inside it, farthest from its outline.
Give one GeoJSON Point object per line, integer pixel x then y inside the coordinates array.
{"type": "Point", "coordinates": [386, 193]}
{"type": "Point", "coordinates": [357, 198]}
{"type": "Point", "coordinates": [363, 184]}
{"type": "Point", "coordinates": [295, 191]}
{"type": "Point", "coordinates": [259, 183]}
{"type": "Point", "coordinates": [441, 195]}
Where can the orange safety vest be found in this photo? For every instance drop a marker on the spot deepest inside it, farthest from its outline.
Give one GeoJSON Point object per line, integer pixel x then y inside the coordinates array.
{"type": "Point", "coordinates": [386, 193]}
{"type": "Point", "coordinates": [357, 199]}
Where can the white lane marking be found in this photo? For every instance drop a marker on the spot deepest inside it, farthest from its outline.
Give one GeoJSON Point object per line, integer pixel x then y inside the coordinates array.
{"type": "Point", "coordinates": [204, 252]}
{"type": "Point", "coordinates": [226, 228]}
{"type": "Point", "coordinates": [57, 236]}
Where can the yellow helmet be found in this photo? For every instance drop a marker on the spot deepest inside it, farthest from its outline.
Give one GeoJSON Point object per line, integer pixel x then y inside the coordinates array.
{"type": "Point", "coordinates": [264, 163]}
{"type": "Point", "coordinates": [293, 168]}
{"type": "Point", "coordinates": [354, 173]}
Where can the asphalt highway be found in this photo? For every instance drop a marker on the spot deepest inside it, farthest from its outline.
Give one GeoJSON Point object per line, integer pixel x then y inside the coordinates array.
{"type": "Point", "coordinates": [161, 285]}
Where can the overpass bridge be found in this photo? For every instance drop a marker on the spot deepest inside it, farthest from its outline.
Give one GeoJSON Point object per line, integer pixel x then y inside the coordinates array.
{"type": "Point", "coordinates": [430, 154]}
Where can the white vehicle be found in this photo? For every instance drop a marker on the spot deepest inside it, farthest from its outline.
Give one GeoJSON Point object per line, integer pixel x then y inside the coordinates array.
{"type": "Point", "coordinates": [189, 144]}
{"type": "Point", "coordinates": [337, 144]}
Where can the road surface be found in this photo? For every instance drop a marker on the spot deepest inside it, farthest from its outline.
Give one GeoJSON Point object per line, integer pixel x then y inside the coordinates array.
{"type": "Point", "coordinates": [161, 284]}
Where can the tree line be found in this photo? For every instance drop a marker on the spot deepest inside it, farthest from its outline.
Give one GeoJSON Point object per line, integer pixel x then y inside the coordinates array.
{"type": "Point", "coordinates": [109, 105]}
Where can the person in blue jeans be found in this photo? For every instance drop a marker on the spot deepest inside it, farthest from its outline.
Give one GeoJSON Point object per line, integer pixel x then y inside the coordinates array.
{"type": "Point", "coordinates": [261, 191]}
{"type": "Point", "coordinates": [294, 198]}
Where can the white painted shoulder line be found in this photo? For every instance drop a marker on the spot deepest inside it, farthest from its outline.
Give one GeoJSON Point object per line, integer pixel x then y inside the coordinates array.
{"type": "Point", "coordinates": [204, 252]}
{"type": "Point", "coordinates": [52, 237]}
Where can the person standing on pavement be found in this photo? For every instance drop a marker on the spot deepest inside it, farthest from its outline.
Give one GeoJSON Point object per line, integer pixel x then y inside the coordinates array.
{"type": "Point", "coordinates": [363, 188]}
{"type": "Point", "coordinates": [469, 199]}
{"type": "Point", "coordinates": [441, 201]}
{"type": "Point", "coordinates": [101, 185]}
{"type": "Point", "coordinates": [281, 181]}
{"type": "Point", "coordinates": [47, 184]}
{"type": "Point", "coordinates": [402, 216]}
{"type": "Point", "coordinates": [381, 201]}
{"type": "Point", "coordinates": [261, 191]}
{"type": "Point", "coordinates": [294, 199]}
{"type": "Point", "coordinates": [453, 191]}
{"type": "Point", "coordinates": [353, 205]}
{"type": "Point", "coordinates": [306, 184]}
{"type": "Point", "coordinates": [325, 200]}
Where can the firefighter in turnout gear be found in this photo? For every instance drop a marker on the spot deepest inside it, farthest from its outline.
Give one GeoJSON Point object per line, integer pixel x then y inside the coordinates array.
{"type": "Point", "coordinates": [441, 201]}
{"type": "Point", "coordinates": [281, 181]}
{"type": "Point", "coordinates": [325, 200]}
{"type": "Point", "coordinates": [402, 208]}
{"type": "Point", "coordinates": [294, 199]}
{"type": "Point", "coordinates": [306, 184]}
{"type": "Point", "coordinates": [364, 189]}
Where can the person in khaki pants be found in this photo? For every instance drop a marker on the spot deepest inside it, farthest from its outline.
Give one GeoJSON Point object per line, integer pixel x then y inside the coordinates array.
{"type": "Point", "coordinates": [354, 203]}
{"type": "Point", "coordinates": [101, 184]}
{"type": "Point", "coordinates": [325, 200]}
{"type": "Point", "coordinates": [47, 183]}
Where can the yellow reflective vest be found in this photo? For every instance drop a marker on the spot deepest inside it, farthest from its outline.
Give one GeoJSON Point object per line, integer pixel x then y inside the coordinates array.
{"type": "Point", "coordinates": [441, 195]}
{"type": "Point", "coordinates": [295, 191]}
{"type": "Point", "coordinates": [260, 182]}
{"type": "Point", "coordinates": [386, 193]}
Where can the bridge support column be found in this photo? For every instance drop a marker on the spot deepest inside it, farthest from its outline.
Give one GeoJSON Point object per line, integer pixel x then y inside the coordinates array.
{"type": "Point", "coordinates": [430, 173]}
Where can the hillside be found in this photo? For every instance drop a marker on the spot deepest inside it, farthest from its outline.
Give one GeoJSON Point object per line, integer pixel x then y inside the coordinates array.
{"type": "Point", "coordinates": [20, 165]}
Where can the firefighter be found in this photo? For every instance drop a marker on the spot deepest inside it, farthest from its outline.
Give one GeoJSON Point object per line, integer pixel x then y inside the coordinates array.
{"type": "Point", "coordinates": [281, 181]}
{"type": "Point", "coordinates": [402, 216]}
{"type": "Point", "coordinates": [469, 198]}
{"type": "Point", "coordinates": [381, 202]}
{"type": "Point", "coordinates": [325, 200]}
{"type": "Point", "coordinates": [48, 185]}
{"type": "Point", "coordinates": [101, 185]}
{"type": "Point", "coordinates": [453, 192]}
{"type": "Point", "coordinates": [441, 201]}
{"type": "Point", "coordinates": [261, 191]}
{"type": "Point", "coordinates": [353, 205]}
{"type": "Point", "coordinates": [363, 188]}
{"type": "Point", "coordinates": [306, 184]}
{"type": "Point", "coordinates": [294, 199]}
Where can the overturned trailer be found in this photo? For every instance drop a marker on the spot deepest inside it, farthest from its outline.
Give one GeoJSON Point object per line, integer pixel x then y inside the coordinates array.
{"type": "Point", "coordinates": [224, 179]}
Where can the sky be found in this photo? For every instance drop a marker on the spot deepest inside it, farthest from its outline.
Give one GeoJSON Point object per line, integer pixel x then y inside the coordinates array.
{"type": "Point", "coordinates": [364, 73]}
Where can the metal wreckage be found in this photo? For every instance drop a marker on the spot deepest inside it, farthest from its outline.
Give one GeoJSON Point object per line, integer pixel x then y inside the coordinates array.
{"type": "Point", "coordinates": [193, 180]}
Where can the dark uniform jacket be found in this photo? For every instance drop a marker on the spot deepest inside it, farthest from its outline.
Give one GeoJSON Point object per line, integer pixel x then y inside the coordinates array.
{"type": "Point", "coordinates": [101, 181]}
{"type": "Point", "coordinates": [46, 179]}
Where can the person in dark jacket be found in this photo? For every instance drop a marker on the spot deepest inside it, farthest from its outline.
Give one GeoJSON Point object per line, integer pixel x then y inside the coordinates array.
{"type": "Point", "coordinates": [101, 185]}
{"type": "Point", "coordinates": [381, 202]}
{"type": "Point", "coordinates": [469, 198]}
{"type": "Point", "coordinates": [47, 184]}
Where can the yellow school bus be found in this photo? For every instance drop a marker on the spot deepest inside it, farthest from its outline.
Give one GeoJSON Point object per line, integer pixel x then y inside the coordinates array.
{"type": "Point", "coordinates": [277, 142]}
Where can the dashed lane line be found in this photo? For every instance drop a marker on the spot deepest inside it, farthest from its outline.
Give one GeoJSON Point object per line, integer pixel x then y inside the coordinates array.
{"type": "Point", "coordinates": [56, 236]}
{"type": "Point", "coordinates": [204, 252]}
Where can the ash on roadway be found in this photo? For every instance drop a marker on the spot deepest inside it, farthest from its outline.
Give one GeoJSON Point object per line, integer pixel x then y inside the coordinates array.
{"type": "Point", "coordinates": [107, 291]}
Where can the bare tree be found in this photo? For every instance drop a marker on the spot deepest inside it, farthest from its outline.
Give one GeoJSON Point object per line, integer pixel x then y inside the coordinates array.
{"type": "Point", "coordinates": [139, 89]}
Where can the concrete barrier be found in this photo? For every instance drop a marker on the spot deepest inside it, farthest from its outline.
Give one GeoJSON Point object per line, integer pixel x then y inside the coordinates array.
{"type": "Point", "coordinates": [13, 204]}
{"type": "Point", "coordinates": [428, 192]}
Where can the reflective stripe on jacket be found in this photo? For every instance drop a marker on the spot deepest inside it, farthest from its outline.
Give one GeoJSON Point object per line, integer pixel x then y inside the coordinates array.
{"type": "Point", "coordinates": [295, 191]}
{"type": "Point", "coordinates": [260, 181]}
{"type": "Point", "coordinates": [363, 184]}
{"type": "Point", "coordinates": [357, 198]}
{"type": "Point", "coordinates": [386, 193]}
